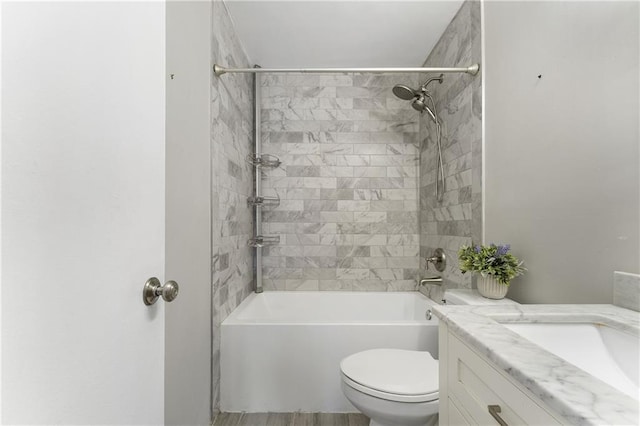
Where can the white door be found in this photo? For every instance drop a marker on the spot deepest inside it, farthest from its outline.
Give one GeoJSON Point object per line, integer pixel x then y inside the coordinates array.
{"type": "Point", "coordinates": [82, 212]}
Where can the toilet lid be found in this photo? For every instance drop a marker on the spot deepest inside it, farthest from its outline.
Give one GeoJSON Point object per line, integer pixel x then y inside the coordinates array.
{"type": "Point", "coordinates": [393, 371]}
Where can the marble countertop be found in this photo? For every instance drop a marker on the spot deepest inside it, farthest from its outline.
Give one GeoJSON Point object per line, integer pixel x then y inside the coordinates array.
{"type": "Point", "coordinates": [571, 392]}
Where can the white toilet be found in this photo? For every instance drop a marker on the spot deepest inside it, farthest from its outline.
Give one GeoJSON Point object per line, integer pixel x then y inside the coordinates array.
{"type": "Point", "coordinates": [396, 387]}
{"type": "Point", "coordinates": [383, 385]}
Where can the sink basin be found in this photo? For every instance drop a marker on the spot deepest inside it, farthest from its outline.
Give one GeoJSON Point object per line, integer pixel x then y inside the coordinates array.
{"type": "Point", "coordinates": [602, 351]}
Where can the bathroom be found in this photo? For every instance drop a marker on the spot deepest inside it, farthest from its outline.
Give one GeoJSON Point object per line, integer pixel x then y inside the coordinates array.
{"type": "Point", "coordinates": [125, 157]}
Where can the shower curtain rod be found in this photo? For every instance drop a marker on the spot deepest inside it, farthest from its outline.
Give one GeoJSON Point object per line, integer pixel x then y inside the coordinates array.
{"type": "Point", "coordinates": [219, 70]}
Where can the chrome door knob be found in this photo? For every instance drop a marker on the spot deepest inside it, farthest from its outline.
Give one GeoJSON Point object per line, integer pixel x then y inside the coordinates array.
{"type": "Point", "coordinates": [169, 291]}
{"type": "Point", "coordinates": [152, 290]}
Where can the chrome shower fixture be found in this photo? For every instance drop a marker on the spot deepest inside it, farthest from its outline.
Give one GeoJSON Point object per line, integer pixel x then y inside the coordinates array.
{"type": "Point", "coordinates": [418, 96]}
{"type": "Point", "coordinates": [404, 92]}
{"type": "Point", "coordinates": [439, 79]}
{"type": "Point", "coordinates": [418, 100]}
{"type": "Point", "coordinates": [419, 105]}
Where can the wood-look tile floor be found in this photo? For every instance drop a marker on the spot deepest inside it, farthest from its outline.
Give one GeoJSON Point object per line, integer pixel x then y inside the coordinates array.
{"type": "Point", "coordinates": [290, 419]}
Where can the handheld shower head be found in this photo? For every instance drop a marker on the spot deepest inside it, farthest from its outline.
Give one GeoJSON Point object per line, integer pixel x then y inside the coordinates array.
{"type": "Point", "coordinates": [431, 114]}
{"type": "Point", "coordinates": [420, 105]}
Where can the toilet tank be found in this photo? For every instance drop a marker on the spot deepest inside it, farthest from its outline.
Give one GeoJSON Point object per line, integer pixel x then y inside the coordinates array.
{"type": "Point", "coordinates": [459, 296]}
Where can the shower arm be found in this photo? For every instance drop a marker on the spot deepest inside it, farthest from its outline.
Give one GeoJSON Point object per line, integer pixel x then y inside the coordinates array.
{"type": "Point", "coordinates": [423, 88]}
{"type": "Point", "coordinates": [219, 70]}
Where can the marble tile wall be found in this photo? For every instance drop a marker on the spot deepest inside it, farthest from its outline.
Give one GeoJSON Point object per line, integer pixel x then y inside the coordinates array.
{"type": "Point", "coordinates": [232, 180]}
{"type": "Point", "coordinates": [348, 216]}
{"type": "Point", "coordinates": [626, 290]}
{"type": "Point", "coordinates": [457, 219]}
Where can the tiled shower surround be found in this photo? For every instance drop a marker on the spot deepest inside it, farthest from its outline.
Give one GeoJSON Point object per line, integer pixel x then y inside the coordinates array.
{"type": "Point", "coordinates": [457, 219]}
{"type": "Point", "coordinates": [348, 183]}
{"type": "Point", "coordinates": [358, 210]}
{"type": "Point", "coordinates": [232, 181]}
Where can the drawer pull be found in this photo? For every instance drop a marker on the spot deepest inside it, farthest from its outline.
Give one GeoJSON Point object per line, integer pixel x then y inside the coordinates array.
{"type": "Point", "coordinates": [495, 411]}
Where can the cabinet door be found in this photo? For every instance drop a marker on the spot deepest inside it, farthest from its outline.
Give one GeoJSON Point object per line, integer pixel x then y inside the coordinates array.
{"type": "Point", "coordinates": [455, 416]}
{"type": "Point", "coordinates": [476, 385]}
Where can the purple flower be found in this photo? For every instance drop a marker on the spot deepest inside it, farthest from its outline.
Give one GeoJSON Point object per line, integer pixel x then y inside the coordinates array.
{"type": "Point", "coordinates": [502, 250]}
{"type": "Point", "coordinates": [477, 249]}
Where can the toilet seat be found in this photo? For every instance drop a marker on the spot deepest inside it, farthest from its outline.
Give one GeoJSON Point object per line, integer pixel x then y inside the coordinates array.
{"type": "Point", "coordinates": [389, 396]}
{"type": "Point", "coordinates": [393, 374]}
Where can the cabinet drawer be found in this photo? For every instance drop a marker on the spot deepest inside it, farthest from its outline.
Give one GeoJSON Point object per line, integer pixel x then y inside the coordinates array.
{"type": "Point", "coordinates": [476, 384]}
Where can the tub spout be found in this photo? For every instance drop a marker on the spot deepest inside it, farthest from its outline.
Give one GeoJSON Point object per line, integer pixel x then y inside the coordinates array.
{"type": "Point", "coordinates": [432, 280]}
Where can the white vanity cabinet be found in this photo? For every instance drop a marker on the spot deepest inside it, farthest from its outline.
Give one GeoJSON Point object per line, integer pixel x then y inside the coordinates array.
{"type": "Point", "coordinates": [471, 386]}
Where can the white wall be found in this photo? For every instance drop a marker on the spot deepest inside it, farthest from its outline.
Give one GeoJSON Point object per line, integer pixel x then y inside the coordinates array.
{"type": "Point", "coordinates": [188, 228]}
{"type": "Point", "coordinates": [316, 34]}
{"type": "Point", "coordinates": [1, 212]}
{"type": "Point", "coordinates": [83, 212]}
{"type": "Point", "coordinates": [562, 151]}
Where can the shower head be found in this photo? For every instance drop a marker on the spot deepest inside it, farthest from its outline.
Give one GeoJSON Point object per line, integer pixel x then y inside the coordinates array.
{"type": "Point", "coordinates": [404, 92]}
{"type": "Point", "coordinates": [407, 93]}
{"type": "Point", "coordinates": [418, 97]}
{"type": "Point", "coordinates": [419, 105]}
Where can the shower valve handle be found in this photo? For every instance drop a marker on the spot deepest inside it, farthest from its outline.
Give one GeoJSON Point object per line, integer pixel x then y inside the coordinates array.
{"type": "Point", "coordinates": [438, 258]}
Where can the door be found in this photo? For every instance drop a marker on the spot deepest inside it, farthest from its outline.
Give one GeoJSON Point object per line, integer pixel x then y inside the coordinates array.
{"type": "Point", "coordinates": [82, 212]}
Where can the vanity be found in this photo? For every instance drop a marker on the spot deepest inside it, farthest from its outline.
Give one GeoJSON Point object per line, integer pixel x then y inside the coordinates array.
{"type": "Point", "coordinates": [538, 365]}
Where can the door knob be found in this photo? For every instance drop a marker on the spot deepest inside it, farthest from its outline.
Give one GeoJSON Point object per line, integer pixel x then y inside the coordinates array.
{"type": "Point", "coordinates": [152, 290]}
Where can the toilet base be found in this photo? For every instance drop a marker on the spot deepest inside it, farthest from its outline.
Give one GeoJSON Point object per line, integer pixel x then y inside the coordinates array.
{"type": "Point", "coordinates": [391, 413]}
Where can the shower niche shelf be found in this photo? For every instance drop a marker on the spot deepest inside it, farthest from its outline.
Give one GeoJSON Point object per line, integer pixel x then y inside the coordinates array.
{"type": "Point", "coordinates": [264, 240]}
{"type": "Point", "coordinates": [263, 201]}
{"type": "Point", "coordinates": [264, 161]}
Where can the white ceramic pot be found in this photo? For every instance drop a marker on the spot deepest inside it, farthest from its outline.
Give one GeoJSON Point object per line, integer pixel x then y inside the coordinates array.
{"type": "Point", "coordinates": [490, 288]}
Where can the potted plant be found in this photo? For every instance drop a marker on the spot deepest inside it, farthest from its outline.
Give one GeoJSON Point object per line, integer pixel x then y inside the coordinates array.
{"type": "Point", "coordinates": [496, 266]}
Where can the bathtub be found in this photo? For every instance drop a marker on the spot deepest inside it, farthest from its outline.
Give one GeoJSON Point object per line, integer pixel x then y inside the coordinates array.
{"type": "Point", "coordinates": [281, 351]}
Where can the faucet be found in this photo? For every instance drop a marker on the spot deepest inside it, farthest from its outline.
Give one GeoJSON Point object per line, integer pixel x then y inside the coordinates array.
{"type": "Point", "coordinates": [432, 280]}
{"type": "Point", "coordinates": [438, 259]}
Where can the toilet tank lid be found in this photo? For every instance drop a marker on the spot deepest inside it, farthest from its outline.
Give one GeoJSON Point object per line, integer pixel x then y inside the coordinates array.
{"type": "Point", "coordinates": [460, 296]}
{"type": "Point", "coordinates": [394, 371]}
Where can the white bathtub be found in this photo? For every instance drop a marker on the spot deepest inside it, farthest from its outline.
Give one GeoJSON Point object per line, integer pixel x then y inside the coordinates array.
{"type": "Point", "coordinates": [280, 351]}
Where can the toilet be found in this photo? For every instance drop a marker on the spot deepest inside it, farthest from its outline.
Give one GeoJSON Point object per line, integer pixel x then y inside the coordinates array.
{"type": "Point", "coordinates": [383, 385]}
{"type": "Point", "coordinates": [397, 387]}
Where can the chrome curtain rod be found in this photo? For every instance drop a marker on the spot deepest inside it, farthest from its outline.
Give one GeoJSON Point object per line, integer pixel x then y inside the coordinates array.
{"type": "Point", "coordinates": [219, 70]}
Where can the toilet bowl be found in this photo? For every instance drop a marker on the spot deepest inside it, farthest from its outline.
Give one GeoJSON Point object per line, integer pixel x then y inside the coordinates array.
{"type": "Point", "coordinates": [393, 387]}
